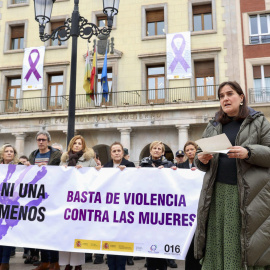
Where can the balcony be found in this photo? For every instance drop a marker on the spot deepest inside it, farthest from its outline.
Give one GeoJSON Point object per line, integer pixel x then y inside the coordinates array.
{"type": "Point", "coordinates": [259, 95]}
{"type": "Point", "coordinates": [116, 99]}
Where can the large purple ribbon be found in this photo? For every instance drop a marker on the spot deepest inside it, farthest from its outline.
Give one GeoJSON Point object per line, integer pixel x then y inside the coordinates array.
{"type": "Point", "coordinates": [33, 66]}
{"type": "Point", "coordinates": [178, 54]}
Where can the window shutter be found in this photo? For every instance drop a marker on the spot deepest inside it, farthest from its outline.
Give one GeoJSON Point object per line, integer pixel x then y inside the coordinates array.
{"type": "Point", "coordinates": [17, 31]}
{"type": "Point", "coordinates": [267, 71]}
{"type": "Point", "coordinates": [257, 72]}
{"type": "Point", "coordinates": [155, 16]}
{"type": "Point", "coordinates": [202, 9]}
{"type": "Point", "coordinates": [204, 69]}
{"type": "Point", "coordinates": [55, 25]}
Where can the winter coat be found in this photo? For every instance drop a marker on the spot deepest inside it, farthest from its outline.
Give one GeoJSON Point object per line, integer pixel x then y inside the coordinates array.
{"type": "Point", "coordinates": [86, 160]}
{"type": "Point", "coordinates": [124, 162]}
{"type": "Point", "coordinates": [185, 165]}
{"type": "Point", "coordinates": [147, 162]}
{"type": "Point", "coordinates": [253, 180]}
{"type": "Point", "coordinates": [54, 158]}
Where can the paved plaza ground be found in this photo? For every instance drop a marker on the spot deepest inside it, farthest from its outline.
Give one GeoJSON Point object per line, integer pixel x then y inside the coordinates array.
{"type": "Point", "coordinates": [16, 263]}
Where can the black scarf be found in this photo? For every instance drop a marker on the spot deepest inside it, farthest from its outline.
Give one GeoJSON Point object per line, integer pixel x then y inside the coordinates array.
{"type": "Point", "coordinates": [157, 162]}
{"type": "Point", "coordinates": [74, 157]}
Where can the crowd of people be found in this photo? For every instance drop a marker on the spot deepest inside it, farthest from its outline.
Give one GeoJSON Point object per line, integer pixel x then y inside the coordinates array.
{"type": "Point", "coordinates": [233, 218]}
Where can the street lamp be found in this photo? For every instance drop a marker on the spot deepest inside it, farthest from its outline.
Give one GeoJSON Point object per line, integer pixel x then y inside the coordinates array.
{"type": "Point", "coordinates": [73, 27]}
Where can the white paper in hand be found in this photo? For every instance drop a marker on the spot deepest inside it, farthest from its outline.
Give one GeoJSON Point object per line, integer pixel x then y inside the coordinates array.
{"type": "Point", "coordinates": [215, 144]}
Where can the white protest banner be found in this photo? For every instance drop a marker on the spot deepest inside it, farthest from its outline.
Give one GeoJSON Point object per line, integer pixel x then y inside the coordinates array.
{"type": "Point", "coordinates": [138, 212]}
{"type": "Point", "coordinates": [178, 55]}
{"type": "Point", "coordinates": [33, 59]}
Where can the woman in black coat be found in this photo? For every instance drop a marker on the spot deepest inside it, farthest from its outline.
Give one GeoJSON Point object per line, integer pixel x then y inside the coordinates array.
{"type": "Point", "coordinates": [117, 262]}
{"type": "Point", "coordinates": [157, 160]}
{"type": "Point", "coordinates": [190, 149]}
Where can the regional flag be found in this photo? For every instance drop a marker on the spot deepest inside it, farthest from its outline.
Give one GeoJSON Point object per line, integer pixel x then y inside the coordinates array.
{"type": "Point", "coordinates": [104, 79]}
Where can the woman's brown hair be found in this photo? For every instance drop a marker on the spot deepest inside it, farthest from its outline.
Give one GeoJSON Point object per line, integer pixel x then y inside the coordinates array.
{"type": "Point", "coordinates": [190, 143]}
{"type": "Point", "coordinates": [117, 143]}
{"type": "Point", "coordinates": [73, 140]}
{"type": "Point", "coordinates": [223, 118]}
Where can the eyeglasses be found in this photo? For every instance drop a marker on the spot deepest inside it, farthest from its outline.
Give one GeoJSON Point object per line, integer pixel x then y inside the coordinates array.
{"type": "Point", "coordinates": [41, 140]}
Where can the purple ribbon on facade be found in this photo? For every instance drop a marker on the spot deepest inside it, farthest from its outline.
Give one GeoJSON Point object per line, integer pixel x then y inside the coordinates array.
{"type": "Point", "coordinates": [178, 54]}
{"type": "Point", "coordinates": [33, 66]}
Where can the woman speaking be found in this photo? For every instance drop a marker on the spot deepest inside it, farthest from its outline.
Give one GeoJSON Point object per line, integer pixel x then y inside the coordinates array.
{"type": "Point", "coordinates": [234, 208]}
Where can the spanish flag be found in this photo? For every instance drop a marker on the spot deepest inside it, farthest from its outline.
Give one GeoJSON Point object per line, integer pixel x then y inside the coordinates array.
{"type": "Point", "coordinates": [93, 75]}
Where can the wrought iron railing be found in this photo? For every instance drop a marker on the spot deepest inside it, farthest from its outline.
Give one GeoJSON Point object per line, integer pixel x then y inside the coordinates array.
{"type": "Point", "coordinates": [116, 99]}
{"type": "Point", "coordinates": [259, 39]}
{"type": "Point", "coordinates": [259, 95]}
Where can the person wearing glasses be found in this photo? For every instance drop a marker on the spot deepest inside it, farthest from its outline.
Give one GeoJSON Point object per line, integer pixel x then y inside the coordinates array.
{"type": "Point", "coordinates": [46, 155]}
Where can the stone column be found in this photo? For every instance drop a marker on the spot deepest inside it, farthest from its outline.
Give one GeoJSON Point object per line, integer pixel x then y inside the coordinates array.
{"type": "Point", "coordinates": [19, 143]}
{"type": "Point", "coordinates": [182, 135]}
{"type": "Point", "coordinates": [125, 137]}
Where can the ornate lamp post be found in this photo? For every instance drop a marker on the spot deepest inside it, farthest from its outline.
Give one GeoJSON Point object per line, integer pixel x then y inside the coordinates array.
{"type": "Point", "coordinates": [73, 27]}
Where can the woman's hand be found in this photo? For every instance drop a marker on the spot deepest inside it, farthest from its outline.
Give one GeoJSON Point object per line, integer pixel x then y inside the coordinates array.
{"type": "Point", "coordinates": [98, 167]}
{"type": "Point", "coordinates": [122, 167]}
{"type": "Point", "coordinates": [204, 158]}
{"type": "Point", "coordinates": [238, 152]}
{"type": "Point", "coordinates": [174, 168]}
{"type": "Point", "coordinates": [160, 167]}
{"type": "Point", "coordinates": [193, 168]}
{"type": "Point", "coordinates": [78, 166]}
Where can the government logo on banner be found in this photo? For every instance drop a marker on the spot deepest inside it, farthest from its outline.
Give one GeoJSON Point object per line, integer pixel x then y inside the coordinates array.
{"type": "Point", "coordinates": [178, 56]}
{"type": "Point", "coordinates": [33, 60]}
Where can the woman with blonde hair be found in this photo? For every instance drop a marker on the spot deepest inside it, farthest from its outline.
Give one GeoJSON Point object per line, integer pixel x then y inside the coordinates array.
{"type": "Point", "coordinates": [157, 160]}
{"type": "Point", "coordinates": [8, 155]}
{"type": "Point", "coordinates": [77, 155]}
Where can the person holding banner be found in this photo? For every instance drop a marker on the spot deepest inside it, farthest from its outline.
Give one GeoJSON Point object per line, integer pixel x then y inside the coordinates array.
{"type": "Point", "coordinates": [117, 262]}
{"type": "Point", "coordinates": [78, 155]}
{"type": "Point", "coordinates": [45, 155]}
{"type": "Point", "coordinates": [190, 149]}
{"type": "Point", "coordinates": [234, 207]}
{"type": "Point", "coordinates": [158, 160]}
{"type": "Point", "coordinates": [8, 155]}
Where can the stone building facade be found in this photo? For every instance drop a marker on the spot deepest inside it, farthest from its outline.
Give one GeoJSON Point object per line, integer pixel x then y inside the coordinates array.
{"type": "Point", "coordinates": [176, 113]}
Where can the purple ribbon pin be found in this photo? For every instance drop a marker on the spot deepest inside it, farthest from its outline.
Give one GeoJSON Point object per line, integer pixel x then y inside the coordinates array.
{"type": "Point", "coordinates": [178, 54]}
{"type": "Point", "coordinates": [33, 66]}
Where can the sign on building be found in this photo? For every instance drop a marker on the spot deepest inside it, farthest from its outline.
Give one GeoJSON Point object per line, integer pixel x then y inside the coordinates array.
{"type": "Point", "coordinates": [178, 56]}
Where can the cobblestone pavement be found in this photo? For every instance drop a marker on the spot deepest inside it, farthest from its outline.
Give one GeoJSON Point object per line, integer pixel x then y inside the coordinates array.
{"type": "Point", "coordinates": [17, 263]}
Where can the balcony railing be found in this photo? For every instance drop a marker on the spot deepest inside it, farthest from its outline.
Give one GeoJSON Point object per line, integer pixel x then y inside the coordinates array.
{"type": "Point", "coordinates": [116, 99]}
{"type": "Point", "coordinates": [259, 39]}
{"type": "Point", "coordinates": [259, 95]}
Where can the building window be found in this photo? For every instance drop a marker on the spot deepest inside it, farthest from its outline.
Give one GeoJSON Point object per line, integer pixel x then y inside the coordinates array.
{"type": "Point", "coordinates": [259, 29]}
{"type": "Point", "coordinates": [17, 37]}
{"type": "Point", "coordinates": [205, 80]}
{"type": "Point", "coordinates": [13, 94]}
{"type": "Point", "coordinates": [202, 17]}
{"type": "Point", "coordinates": [155, 84]}
{"type": "Point", "coordinates": [155, 22]}
{"type": "Point", "coordinates": [261, 79]}
{"type": "Point", "coordinates": [102, 21]}
{"type": "Point", "coordinates": [19, 1]}
{"type": "Point", "coordinates": [55, 25]}
{"type": "Point", "coordinates": [55, 95]}
{"type": "Point", "coordinates": [109, 76]}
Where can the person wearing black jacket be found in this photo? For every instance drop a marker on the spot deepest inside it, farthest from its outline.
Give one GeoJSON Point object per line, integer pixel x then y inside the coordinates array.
{"type": "Point", "coordinates": [158, 160]}
{"type": "Point", "coordinates": [190, 149]}
{"type": "Point", "coordinates": [117, 262]}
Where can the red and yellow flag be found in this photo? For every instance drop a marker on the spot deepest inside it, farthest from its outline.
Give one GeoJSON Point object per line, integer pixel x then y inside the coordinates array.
{"type": "Point", "coordinates": [93, 75]}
